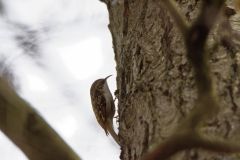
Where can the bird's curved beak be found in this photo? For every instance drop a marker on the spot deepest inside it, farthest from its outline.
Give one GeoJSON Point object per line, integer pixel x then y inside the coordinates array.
{"type": "Point", "coordinates": [107, 77]}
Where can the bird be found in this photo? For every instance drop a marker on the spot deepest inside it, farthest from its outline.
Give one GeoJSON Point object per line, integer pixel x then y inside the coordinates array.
{"type": "Point", "coordinates": [103, 106]}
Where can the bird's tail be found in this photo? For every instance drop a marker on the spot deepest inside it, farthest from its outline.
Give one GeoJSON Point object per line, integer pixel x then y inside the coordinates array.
{"type": "Point", "coordinates": [112, 132]}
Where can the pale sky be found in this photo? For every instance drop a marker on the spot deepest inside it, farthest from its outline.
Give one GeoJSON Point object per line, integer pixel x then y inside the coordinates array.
{"type": "Point", "coordinates": [71, 47]}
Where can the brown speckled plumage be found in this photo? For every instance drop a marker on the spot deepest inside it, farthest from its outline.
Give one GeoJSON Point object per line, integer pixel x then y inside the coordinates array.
{"type": "Point", "coordinates": [103, 106]}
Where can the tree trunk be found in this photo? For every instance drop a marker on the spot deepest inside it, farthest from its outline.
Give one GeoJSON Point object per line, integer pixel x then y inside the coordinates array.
{"type": "Point", "coordinates": [155, 82]}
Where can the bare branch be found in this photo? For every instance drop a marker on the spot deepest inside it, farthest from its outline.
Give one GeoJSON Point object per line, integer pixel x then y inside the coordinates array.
{"type": "Point", "coordinates": [28, 130]}
{"type": "Point", "coordinates": [199, 57]}
{"type": "Point", "coordinates": [187, 136]}
{"type": "Point", "coordinates": [191, 139]}
{"type": "Point", "coordinates": [176, 14]}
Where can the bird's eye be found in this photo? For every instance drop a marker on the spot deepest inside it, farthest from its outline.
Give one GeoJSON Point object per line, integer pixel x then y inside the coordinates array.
{"type": "Point", "coordinates": [99, 87]}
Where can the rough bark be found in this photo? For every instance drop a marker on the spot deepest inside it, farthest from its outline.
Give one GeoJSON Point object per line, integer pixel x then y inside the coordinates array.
{"type": "Point", "coordinates": [155, 81]}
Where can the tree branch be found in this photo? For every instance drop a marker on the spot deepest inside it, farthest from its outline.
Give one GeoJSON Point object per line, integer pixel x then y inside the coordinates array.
{"type": "Point", "coordinates": [188, 140]}
{"type": "Point", "coordinates": [188, 136]}
{"type": "Point", "coordinates": [28, 130]}
{"type": "Point", "coordinates": [176, 14]}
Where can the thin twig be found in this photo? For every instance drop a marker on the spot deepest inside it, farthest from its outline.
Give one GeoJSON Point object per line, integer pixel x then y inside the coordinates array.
{"type": "Point", "coordinates": [176, 14]}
